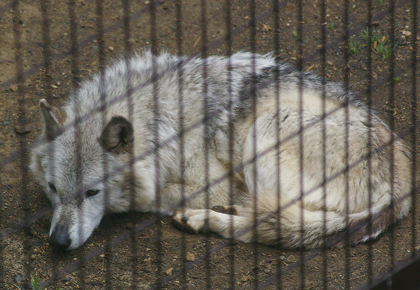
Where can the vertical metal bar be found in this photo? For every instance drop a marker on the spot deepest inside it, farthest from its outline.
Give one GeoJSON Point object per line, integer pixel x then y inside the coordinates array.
{"type": "Point", "coordinates": [231, 129]}
{"type": "Point", "coordinates": [346, 146]}
{"type": "Point", "coordinates": [153, 41]}
{"type": "Point", "coordinates": [276, 44]}
{"type": "Point", "coordinates": [48, 94]}
{"type": "Point", "coordinates": [46, 52]}
{"type": "Point", "coordinates": [75, 80]}
{"type": "Point", "coordinates": [105, 166]}
{"type": "Point", "coordinates": [392, 127]}
{"type": "Point", "coordinates": [369, 143]}
{"type": "Point", "coordinates": [414, 104]}
{"type": "Point", "coordinates": [179, 35]}
{"type": "Point", "coordinates": [23, 151]}
{"type": "Point", "coordinates": [74, 50]}
{"type": "Point", "coordinates": [129, 97]}
{"type": "Point", "coordinates": [299, 39]}
{"type": "Point", "coordinates": [205, 133]}
{"type": "Point", "coordinates": [252, 7]}
{"type": "Point", "coordinates": [324, 142]}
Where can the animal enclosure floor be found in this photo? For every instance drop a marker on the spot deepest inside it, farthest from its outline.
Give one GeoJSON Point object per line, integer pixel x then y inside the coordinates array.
{"type": "Point", "coordinates": [143, 248]}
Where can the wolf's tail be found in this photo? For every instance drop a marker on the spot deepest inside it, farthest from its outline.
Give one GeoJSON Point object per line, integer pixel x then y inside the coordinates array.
{"type": "Point", "coordinates": [297, 227]}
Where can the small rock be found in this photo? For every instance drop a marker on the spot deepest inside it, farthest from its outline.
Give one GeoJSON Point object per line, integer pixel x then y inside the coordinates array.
{"type": "Point", "coordinates": [245, 278]}
{"type": "Point", "coordinates": [190, 286]}
{"type": "Point", "coordinates": [190, 257]}
{"type": "Point", "coordinates": [110, 48]}
{"type": "Point", "coordinates": [291, 259]}
{"type": "Point", "coordinates": [169, 271]}
{"type": "Point", "coordinates": [266, 28]}
{"type": "Point", "coordinates": [406, 33]}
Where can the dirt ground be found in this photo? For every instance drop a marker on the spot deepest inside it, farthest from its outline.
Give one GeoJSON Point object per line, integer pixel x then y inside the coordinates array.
{"type": "Point", "coordinates": [140, 250]}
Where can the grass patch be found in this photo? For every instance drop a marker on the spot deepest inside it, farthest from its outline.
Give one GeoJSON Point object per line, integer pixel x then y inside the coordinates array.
{"type": "Point", "coordinates": [353, 48]}
{"type": "Point", "coordinates": [331, 25]}
{"type": "Point", "coordinates": [297, 36]}
{"type": "Point", "coordinates": [379, 43]}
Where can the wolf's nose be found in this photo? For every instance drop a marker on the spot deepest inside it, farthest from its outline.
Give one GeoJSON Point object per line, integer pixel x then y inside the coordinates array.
{"type": "Point", "coordinates": [60, 238]}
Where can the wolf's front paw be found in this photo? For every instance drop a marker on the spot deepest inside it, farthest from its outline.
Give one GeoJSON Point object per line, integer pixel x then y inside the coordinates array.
{"type": "Point", "coordinates": [191, 220]}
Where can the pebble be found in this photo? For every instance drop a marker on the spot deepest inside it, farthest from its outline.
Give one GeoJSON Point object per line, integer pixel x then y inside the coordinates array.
{"type": "Point", "coordinates": [169, 271]}
{"type": "Point", "coordinates": [406, 33]}
{"type": "Point", "coordinates": [189, 286]}
{"type": "Point", "coordinates": [190, 257]}
{"type": "Point", "coordinates": [291, 259]}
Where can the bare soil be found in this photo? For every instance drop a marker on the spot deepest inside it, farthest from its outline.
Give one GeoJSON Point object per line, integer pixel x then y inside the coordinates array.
{"type": "Point", "coordinates": [133, 250]}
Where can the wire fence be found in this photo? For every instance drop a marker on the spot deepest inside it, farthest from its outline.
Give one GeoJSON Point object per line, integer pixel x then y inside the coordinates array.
{"type": "Point", "coordinates": [302, 171]}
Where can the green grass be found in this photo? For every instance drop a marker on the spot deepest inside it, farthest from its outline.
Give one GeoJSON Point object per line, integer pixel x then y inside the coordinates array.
{"type": "Point", "coordinates": [35, 283]}
{"type": "Point", "coordinates": [396, 79]}
{"type": "Point", "coordinates": [380, 44]}
{"type": "Point", "coordinates": [331, 25]}
{"type": "Point", "coordinates": [297, 36]}
{"type": "Point", "coordinates": [370, 39]}
{"type": "Point", "coordinates": [353, 48]}
{"type": "Point", "coordinates": [383, 49]}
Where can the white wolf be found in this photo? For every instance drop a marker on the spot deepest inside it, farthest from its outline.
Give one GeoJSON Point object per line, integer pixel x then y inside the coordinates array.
{"type": "Point", "coordinates": [245, 133]}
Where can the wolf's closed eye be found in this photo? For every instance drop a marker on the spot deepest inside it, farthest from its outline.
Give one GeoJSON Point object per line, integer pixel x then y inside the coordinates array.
{"type": "Point", "coordinates": [92, 192]}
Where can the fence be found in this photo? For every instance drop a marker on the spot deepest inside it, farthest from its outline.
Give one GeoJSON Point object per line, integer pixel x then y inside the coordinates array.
{"type": "Point", "coordinates": [49, 47]}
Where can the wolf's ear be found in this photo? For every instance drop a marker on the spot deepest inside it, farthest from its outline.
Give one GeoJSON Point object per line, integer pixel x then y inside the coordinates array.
{"type": "Point", "coordinates": [52, 119]}
{"type": "Point", "coordinates": [117, 136]}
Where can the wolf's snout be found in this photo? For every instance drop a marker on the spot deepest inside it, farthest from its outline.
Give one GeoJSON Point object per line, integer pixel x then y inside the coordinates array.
{"type": "Point", "coordinates": [60, 238]}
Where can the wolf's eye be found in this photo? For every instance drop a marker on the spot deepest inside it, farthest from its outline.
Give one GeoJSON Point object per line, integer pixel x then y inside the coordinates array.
{"type": "Point", "coordinates": [52, 187]}
{"type": "Point", "coordinates": [92, 192]}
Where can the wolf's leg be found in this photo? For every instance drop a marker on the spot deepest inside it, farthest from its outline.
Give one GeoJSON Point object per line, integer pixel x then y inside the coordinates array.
{"type": "Point", "coordinates": [194, 221]}
{"type": "Point", "coordinates": [175, 195]}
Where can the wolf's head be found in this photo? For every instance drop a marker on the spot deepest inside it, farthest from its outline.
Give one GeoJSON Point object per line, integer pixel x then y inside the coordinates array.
{"type": "Point", "coordinates": [82, 167]}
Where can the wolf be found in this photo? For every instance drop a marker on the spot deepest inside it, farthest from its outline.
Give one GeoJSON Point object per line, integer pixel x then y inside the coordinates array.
{"type": "Point", "coordinates": [244, 146]}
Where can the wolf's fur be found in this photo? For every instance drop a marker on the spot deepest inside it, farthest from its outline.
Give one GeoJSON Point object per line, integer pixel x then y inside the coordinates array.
{"type": "Point", "coordinates": [84, 165]}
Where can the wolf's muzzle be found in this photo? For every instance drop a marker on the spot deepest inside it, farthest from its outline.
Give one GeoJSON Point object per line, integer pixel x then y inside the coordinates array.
{"type": "Point", "coordinates": [60, 238]}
